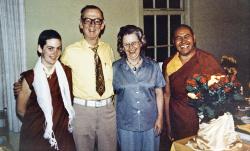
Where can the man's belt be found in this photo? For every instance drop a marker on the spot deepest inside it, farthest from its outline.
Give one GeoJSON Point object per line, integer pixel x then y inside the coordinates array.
{"type": "Point", "coordinates": [93, 103]}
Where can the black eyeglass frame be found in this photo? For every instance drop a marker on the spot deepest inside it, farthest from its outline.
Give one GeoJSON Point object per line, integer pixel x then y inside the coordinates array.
{"type": "Point", "coordinates": [90, 21]}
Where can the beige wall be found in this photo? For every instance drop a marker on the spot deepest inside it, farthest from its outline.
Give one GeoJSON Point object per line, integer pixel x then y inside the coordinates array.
{"type": "Point", "coordinates": [223, 27]}
{"type": "Point", "coordinates": [63, 16]}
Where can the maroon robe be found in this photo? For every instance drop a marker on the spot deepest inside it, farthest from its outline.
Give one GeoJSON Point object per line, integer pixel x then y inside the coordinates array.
{"type": "Point", "coordinates": [183, 118]}
{"type": "Point", "coordinates": [32, 130]}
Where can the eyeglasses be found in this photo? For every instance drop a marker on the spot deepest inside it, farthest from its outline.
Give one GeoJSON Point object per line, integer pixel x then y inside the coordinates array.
{"type": "Point", "coordinates": [95, 21]}
{"type": "Point", "coordinates": [134, 44]}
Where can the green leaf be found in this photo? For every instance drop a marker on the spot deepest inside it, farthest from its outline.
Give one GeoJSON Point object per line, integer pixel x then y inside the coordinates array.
{"type": "Point", "coordinates": [238, 97]}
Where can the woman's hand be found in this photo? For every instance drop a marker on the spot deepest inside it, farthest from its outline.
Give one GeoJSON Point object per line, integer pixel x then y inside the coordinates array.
{"type": "Point", "coordinates": [158, 126]}
{"type": "Point", "coordinates": [159, 102]}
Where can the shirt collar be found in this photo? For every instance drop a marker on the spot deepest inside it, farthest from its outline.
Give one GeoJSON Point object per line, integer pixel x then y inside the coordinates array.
{"type": "Point", "coordinates": [86, 44]}
{"type": "Point", "coordinates": [144, 62]}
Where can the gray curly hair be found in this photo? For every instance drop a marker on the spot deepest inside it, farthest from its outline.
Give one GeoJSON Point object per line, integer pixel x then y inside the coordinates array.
{"type": "Point", "coordinates": [126, 30]}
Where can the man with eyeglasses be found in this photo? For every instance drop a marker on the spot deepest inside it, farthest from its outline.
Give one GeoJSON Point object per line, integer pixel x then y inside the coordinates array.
{"type": "Point", "coordinates": [91, 62]}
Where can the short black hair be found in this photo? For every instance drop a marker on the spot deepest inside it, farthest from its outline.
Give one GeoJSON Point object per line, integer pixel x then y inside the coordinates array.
{"type": "Point", "coordinates": [47, 34]}
{"type": "Point", "coordinates": [183, 26]}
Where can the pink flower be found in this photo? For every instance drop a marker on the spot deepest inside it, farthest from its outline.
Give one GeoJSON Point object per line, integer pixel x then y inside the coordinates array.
{"type": "Point", "coordinates": [203, 80]}
{"type": "Point", "coordinates": [196, 75]}
{"type": "Point", "coordinates": [227, 89]}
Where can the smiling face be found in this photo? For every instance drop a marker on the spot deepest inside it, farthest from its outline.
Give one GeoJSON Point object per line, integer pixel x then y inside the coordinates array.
{"type": "Point", "coordinates": [91, 29]}
{"type": "Point", "coordinates": [50, 52]}
{"type": "Point", "coordinates": [184, 41]}
{"type": "Point", "coordinates": [132, 46]}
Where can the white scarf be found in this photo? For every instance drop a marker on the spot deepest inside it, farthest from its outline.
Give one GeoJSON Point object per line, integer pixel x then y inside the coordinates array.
{"type": "Point", "coordinates": [44, 99]}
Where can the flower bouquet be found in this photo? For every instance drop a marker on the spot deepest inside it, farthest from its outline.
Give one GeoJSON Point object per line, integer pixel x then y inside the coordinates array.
{"type": "Point", "coordinates": [214, 97]}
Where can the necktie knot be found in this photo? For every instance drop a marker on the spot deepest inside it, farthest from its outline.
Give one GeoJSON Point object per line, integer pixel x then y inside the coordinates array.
{"type": "Point", "coordinates": [94, 48]}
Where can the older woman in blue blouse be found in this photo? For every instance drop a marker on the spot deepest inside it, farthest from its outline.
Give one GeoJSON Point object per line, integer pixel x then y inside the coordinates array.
{"type": "Point", "coordinates": [138, 84]}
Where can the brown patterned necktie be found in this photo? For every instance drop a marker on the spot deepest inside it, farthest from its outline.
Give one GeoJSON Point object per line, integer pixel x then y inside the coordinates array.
{"type": "Point", "coordinates": [100, 84]}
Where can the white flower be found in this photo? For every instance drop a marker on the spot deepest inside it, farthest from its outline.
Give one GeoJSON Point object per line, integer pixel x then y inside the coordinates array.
{"type": "Point", "coordinates": [201, 116]}
{"type": "Point", "coordinates": [214, 79]}
{"type": "Point", "coordinates": [192, 96]}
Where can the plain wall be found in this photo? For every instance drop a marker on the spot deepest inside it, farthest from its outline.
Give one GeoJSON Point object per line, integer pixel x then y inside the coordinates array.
{"type": "Point", "coordinates": [64, 15]}
{"type": "Point", "coordinates": [222, 27]}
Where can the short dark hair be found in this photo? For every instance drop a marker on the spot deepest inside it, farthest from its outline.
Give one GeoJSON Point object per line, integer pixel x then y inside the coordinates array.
{"type": "Point", "coordinates": [182, 26]}
{"type": "Point", "coordinates": [130, 29]}
{"type": "Point", "coordinates": [91, 7]}
{"type": "Point", "coordinates": [82, 16]}
{"type": "Point", "coordinates": [47, 34]}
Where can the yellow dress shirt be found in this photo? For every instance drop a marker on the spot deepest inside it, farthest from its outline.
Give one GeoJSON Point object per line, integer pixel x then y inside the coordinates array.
{"type": "Point", "coordinates": [80, 58]}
